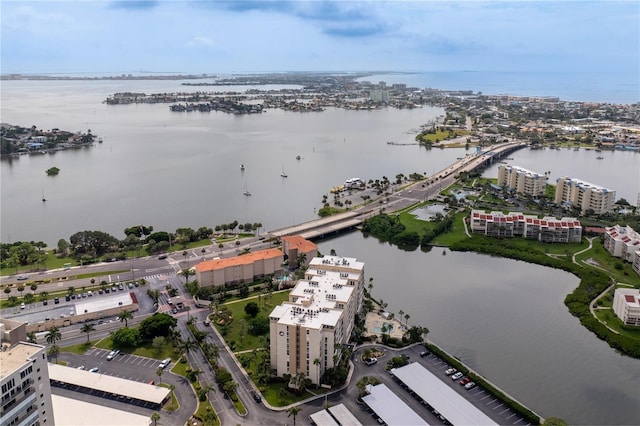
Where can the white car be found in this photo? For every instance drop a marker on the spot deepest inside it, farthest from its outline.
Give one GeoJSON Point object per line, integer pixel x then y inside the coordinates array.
{"type": "Point", "coordinates": [164, 363]}
{"type": "Point", "coordinates": [450, 371]}
{"type": "Point", "coordinates": [112, 354]}
{"type": "Point", "coordinates": [370, 361]}
{"type": "Point", "coordinates": [457, 376]}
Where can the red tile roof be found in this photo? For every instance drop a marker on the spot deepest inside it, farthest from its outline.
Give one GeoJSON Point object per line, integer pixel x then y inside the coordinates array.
{"type": "Point", "coordinates": [303, 246]}
{"type": "Point", "coordinates": [246, 259]}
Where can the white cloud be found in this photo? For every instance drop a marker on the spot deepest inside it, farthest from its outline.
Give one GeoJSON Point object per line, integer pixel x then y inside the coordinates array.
{"type": "Point", "coordinates": [201, 41]}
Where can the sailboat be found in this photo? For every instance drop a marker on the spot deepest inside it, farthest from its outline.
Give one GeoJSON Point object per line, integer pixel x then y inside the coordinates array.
{"type": "Point", "coordinates": [246, 191]}
{"type": "Point", "coordinates": [283, 174]}
{"type": "Point", "coordinates": [241, 167]}
{"type": "Point", "coordinates": [43, 199]}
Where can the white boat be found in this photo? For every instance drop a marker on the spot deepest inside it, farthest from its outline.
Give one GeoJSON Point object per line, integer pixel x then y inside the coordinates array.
{"type": "Point", "coordinates": [246, 191]}
{"type": "Point", "coordinates": [241, 166]}
{"type": "Point", "coordinates": [283, 174]}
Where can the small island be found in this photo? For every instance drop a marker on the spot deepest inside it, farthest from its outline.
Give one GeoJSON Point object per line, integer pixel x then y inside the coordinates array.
{"type": "Point", "coordinates": [53, 171]}
{"type": "Point", "coordinates": [16, 140]}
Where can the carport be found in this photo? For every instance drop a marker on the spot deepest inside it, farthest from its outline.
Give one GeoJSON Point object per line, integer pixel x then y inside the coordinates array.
{"type": "Point", "coordinates": [453, 406]}
{"type": "Point", "coordinates": [390, 408]}
{"type": "Point", "coordinates": [105, 386]}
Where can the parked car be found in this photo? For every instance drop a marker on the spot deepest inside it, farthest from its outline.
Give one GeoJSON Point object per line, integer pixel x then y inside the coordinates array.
{"type": "Point", "coordinates": [106, 290]}
{"type": "Point", "coordinates": [450, 371]}
{"type": "Point", "coordinates": [21, 277]}
{"type": "Point", "coordinates": [112, 354]}
{"type": "Point", "coordinates": [370, 361]}
{"type": "Point", "coordinates": [470, 386]}
{"type": "Point", "coordinates": [94, 370]}
{"type": "Point", "coordinates": [457, 376]}
{"type": "Point", "coordinates": [81, 367]}
{"type": "Point", "coordinates": [162, 257]}
{"type": "Point", "coordinates": [257, 398]}
{"type": "Point", "coordinates": [424, 353]}
{"type": "Point", "coordinates": [45, 302]}
{"type": "Point", "coordinates": [56, 300]}
{"type": "Point", "coordinates": [464, 381]}
{"type": "Point", "coordinates": [164, 363]}
{"type": "Point", "coordinates": [22, 305]}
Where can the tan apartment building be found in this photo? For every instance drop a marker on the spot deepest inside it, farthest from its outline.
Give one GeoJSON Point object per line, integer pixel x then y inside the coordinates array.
{"type": "Point", "coordinates": [239, 269]}
{"type": "Point", "coordinates": [307, 331]}
{"type": "Point", "coordinates": [521, 180]}
{"type": "Point", "coordinates": [293, 246]}
{"type": "Point", "coordinates": [24, 380]}
{"type": "Point", "coordinates": [572, 192]}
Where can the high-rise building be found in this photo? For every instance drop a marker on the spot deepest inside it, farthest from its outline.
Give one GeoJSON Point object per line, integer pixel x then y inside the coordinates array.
{"type": "Point", "coordinates": [572, 192]}
{"type": "Point", "coordinates": [24, 377]}
{"type": "Point", "coordinates": [522, 180]}
{"type": "Point", "coordinates": [307, 332]}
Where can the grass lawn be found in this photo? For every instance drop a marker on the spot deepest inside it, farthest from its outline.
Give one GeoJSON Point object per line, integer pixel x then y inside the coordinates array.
{"type": "Point", "coordinates": [145, 349]}
{"type": "Point", "coordinates": [456, 233]}
{"type": "Point", "coordinates": [171, 404]}
{"type": "Point", "coordinates": [203, 412]}
{"type": "Point", "coordinates": [236, 335]}
{"type": "Point", "coordinates": [278, 395]}
{"type": "Point", "coordinates": [441, 136]}
{"type": "Point", "coordinates": [609, 318]}
{"type": "Point", "coordinates": [608, 262]}
{"type": "Point", "coordinates": [79, 349]}
{"type": "Point", "coordinates": [180, 368]}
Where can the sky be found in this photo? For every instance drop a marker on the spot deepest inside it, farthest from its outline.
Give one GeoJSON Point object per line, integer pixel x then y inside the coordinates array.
{"type": "Point", "coordinates": [201, 36]}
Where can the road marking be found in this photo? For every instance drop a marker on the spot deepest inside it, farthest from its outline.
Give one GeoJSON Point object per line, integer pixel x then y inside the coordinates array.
{"type": "Point", "coordinates": [510, 416]}
{"type": "Point", "coordinates": [482, 399]}
{"type": "Point", "coordinates": [503, 411]}
{"type": "Point", "coordinates": [498, 406]}
{"type": "Point", "coordinates": [492, 401]}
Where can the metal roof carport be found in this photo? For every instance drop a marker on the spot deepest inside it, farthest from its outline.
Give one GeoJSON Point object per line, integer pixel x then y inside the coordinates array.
{"type": "Point", "coordinates": [453, 406]}
{"type": "Point", "coordinates": [108, 386]}
{"type": "Point", "coordinates": [323, 418]}
{"type": "Point", "coordinates": [390, 408]}
{"type": "Point", "coordinates": [343, 415]}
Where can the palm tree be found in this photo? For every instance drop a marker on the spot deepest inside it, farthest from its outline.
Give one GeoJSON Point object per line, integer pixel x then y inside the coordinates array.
{"type": "Point", "coordinates": [186, 345]}
{"type": "Point", "coordinates": [316, 362]}
{"type": "Point", "coordinates": [55, 350]}
{"type": "Point", "coordinates": [125, 316]}
{"type": "Point", "coordinates": [20, 289]}
{"type": "Point", "coordinates": [87, 328]}
{"type": "Point", "coordinates": [31, 337]}
{"type": "Point", "coordinates": [53, 335]}
{"type": "Point", "coordinates": [302, 259]}
{"type": "Point", "coordinates": [370, 286]}
{"type": "Point", "coordinates": [71, 291]}
{"type": "Point", "coordinates": [34, 287]}
{"type": "Point", "coordinates": [159, 372]}
{"type": "Point", "coordinates": [155, 417]}
{"type": "Point", "coordinates": [406, 319]}
{"type": "Point", "coordinates": [293, 411]}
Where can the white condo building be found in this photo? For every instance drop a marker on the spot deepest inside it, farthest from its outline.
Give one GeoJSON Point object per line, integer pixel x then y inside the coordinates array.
{"type": "Point", "coordinates": [26, 392]}
{"type": "Point", "coordinates": [546, 230]}
{"type": "Point", "coordinates": [307, 331]}
{"type": "Point", "coordinates": [522, 180]}
{"type": "Point", "coordinates": [626, 305]}
{"type": "Point", "coordinates": [622, 241]}
{"type": "Point", "coordinates": [575, 192]}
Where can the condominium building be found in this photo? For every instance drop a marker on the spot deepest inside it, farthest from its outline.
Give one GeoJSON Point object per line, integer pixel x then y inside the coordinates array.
{"type": "Point", "coordinates": [308, 331]}
{"type": "Point", "coordinates": [546, 230]}
{"type": "Point", "coordinates": [571, 192]}
{"type": "Point", "coordinates": [522, 180]}
{"type": "Point", "coordinates": [296, 248]}
{"type": "Point", "coordinates": [626, 305]}
{"type": "Point", "coordinates": [239, 269]}
{"type": "Point", "coordinates": [24, 377]}
{"type": "Point", "coordinates": [622, 242]}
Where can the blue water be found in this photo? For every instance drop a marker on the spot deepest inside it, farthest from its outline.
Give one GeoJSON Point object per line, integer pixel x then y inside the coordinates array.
{"type": "Point", "coordinates": [612, 87]}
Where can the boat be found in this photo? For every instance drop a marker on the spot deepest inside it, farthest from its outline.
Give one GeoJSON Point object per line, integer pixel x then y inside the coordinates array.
{"type": "Point", "coordinates": [283, 174]}
{"type": "Point", "coordinates": [246, 191]}
{"type": "Point", "coordinates": [44, 200]}
{"type": "Point", "coordinates": [241, 167]}
{"type": "Point", "coordinates": [297, 157]}
{"type": "Point", "coordinates": [599, 157]}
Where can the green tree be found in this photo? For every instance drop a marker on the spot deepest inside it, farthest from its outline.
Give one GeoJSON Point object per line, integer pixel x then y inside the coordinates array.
{"type": "Point", "coordinates": [159, 372]}
{"type": "Point", "coordinates": [158, 343]}
{"type": "Point", "coordinates": [187, 345]}
{"type": "Point", "coordinates": [53, 335]}
{"type": "Point", "coordinates": [158, 324]}
{"type": "Point", "coordinates": [155, 417]}
{"type": "Point", "coordinates": [293, 411]}
{"type": "Point", "coordinates": [251, 309]}
{"type": "Point", "coordinates": [87, 328]}
{"type": "Point", "coordinates": [125, 338]}
{"type": "Point", "coordinates": [31, 337]}
{"type": "Point", "coordinates": [125, 316]}
{"type": "Point", "coordinates": [54, 351]}
{"type": "Point", "coordinates": [20, 289]}
{"type": "Point", "coordinates": [7, 290]}
{"type": "Point", "coordinates": [34, 287]}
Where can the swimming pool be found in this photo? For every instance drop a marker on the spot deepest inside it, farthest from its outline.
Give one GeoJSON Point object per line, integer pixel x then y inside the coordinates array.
{"type": "Point", "coordinates": [377, 327]}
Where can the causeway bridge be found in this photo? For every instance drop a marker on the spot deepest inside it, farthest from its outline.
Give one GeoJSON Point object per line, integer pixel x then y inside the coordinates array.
{"type": "Point", "coordinates": [412, 194]}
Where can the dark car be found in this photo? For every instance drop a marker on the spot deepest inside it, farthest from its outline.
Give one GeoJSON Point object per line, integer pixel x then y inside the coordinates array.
{"type": "Point", "coordinates": [56, 300]}
{"type": "Point", "coordinates": [162, 257]}
{"type": "Point", "coordinates": [257, 398]}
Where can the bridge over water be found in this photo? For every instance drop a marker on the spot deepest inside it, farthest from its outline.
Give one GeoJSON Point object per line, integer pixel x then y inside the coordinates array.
{"type": "Point", "coordinates": [415, 193]}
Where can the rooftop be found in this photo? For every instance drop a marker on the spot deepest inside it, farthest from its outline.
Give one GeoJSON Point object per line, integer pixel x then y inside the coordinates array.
{"type": "Point", "coordinates": [16, 356]}
{"type": "Point", "coordinates": [68, 411]}
{"type": "Point", "coordinates": [303, 245]}
{"type": "Point", "coordinates": [245, 259]}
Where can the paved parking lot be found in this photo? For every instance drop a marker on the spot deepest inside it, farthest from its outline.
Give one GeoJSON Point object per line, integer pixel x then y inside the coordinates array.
{"type": "Point", "coordinates": [125, 366]}
{"type": "Point", "coordinates": [478, 396]}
